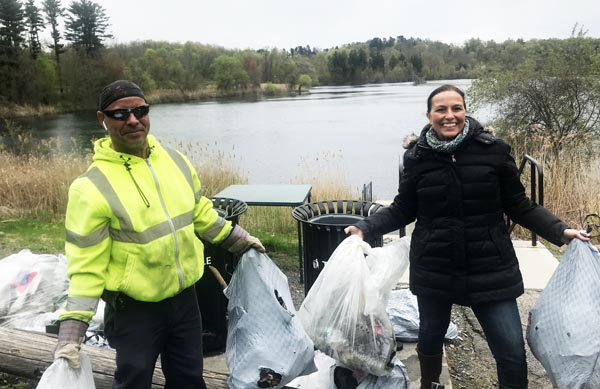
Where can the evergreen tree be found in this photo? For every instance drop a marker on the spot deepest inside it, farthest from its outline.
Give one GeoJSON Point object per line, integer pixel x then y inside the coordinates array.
{"type": "Point", "coordinates": [11, 42]}
{"type": "Point", "coordinates": [87, 25]}
{"type": "Point", "coordinates": [11, 27]}
{"type": "Point", "coordinates": [53, 11]}
{"type": "Point", "coordinates": [34, 23]}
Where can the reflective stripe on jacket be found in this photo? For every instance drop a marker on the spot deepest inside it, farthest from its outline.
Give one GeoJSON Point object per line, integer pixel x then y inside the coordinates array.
{"type": "Point", "coordinates": [131, 225]}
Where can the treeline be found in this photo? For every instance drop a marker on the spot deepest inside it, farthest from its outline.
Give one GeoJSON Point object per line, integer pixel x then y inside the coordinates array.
{"type": "Point", "coordinates": [77, 62]}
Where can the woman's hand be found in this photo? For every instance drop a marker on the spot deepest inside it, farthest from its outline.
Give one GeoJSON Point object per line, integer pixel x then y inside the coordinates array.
{"type": "Point", "coordinates": [571, 233]}
{"type": "Point", "coordinates": [352, 230]}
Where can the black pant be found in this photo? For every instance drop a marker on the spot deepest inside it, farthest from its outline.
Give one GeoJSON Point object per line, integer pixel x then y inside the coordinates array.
{"type": "Point", "coordinates": [140, 331]}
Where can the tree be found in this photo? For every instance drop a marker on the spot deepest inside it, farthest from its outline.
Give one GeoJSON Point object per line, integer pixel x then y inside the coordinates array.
{"type": "Point", "coordinates": [11, 41]}
{"type": "Point", "coordinates": [416, 60]}
{"type": "Point", "coordinates": [358, 61]}
{"type": "Point", "coordinates": [87, 25]}
{"type": "Point", "coordinates": [53, 11]}
{"type": "Point", "coordinates": [229, 73]}
{"type": "Point", "coordinates": [11, 27]}
{"type": "Point", "coordinates": [304, 81]}
{"type": "Point", "coordinates": [553, 96]}
{"type": "Point", "coordinates": [338, 67]}
{"type": "Point", "coordinates": [34, 23]}
{"type": "Point", "coordinates": [377, 61]}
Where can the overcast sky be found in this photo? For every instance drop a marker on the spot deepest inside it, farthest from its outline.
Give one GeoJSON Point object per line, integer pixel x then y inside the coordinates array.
{"type": "Point", "coordinates": [329, 23]}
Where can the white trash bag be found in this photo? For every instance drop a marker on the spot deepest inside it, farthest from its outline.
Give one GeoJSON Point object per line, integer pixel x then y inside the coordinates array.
{"type": "Point", "coordinates": [266, 344]}
{"type": "Point", "coordinates": [344, 311]}
{"type": "Point", "coordinates": [563, 331]}
{"type": "Point", "coordinates": [60, 375]}
{"type": "Point", "coordinates": [403, 309]}
{"type": "Point", "coordinates": [31, 285]}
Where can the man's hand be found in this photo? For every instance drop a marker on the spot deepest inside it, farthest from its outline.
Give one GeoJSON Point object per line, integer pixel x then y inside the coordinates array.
{"type": "Point", "coordinates": [70, 335]}
{"type": "Point", "coordinates": [239, 241]}
{"type": "Point", "coordinates": [70, 352]}
{"type": "Point", "coordinates": [254, 243]}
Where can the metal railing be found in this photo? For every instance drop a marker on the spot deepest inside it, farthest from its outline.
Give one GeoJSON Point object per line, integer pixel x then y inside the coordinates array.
{"type": "Point", "coordinates": [367, 192]}
{"type": "Point", "coordinates": [537, 189]}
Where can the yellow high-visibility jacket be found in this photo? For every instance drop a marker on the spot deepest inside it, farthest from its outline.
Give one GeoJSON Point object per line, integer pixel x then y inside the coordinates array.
{"type": "Point", "coordinates": [131, 226]}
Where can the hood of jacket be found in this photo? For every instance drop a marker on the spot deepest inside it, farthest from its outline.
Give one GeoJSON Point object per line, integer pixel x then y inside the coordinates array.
{"type": "Point", "coordinates": [103, 151]}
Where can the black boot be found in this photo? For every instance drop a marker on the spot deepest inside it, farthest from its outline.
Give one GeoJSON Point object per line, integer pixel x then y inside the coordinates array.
{"type": "Point", "coordinates": [431, 368]}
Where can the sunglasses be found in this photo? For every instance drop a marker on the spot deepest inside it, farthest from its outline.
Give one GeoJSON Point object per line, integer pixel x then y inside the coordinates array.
{"type": "Point", "coordinates": [123, 113]}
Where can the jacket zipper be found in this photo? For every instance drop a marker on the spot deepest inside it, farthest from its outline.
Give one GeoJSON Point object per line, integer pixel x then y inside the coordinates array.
{"type": "Point", "coordinates": [171, 226]}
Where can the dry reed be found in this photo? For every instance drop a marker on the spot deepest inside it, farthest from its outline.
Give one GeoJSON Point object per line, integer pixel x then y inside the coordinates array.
{"type": "Point", "coordinates": [571, 175]}
{"type": "Point", "coordinates": [36, 186]}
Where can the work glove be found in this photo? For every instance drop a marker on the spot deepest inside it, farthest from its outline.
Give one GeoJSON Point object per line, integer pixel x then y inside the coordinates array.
{"type": "Point", "coordinates": [239, 241]}
{"type": "Point", "coordinates": [70, 335]}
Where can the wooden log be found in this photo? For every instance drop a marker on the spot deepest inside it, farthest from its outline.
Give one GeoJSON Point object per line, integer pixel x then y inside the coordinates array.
{"type": "Point", "coordinates": [28, 354]}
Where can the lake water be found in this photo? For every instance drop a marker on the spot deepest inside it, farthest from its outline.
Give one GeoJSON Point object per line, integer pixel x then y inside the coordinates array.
{"type": "Point", "coordinates": [350, 134]}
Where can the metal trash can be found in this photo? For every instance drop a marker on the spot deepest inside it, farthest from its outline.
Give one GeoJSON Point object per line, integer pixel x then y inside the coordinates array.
{"type": "Point", "coordinates": [323, 226]}
{"type": "Point", "coordinates": [212, 301]}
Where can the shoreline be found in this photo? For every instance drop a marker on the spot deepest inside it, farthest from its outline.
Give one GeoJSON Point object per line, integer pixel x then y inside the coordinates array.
{"type": "Point", "coordinates": [163, 96]}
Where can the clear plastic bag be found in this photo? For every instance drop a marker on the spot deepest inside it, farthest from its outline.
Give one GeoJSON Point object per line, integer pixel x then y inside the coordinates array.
{"type": "Point", "coordinates": [563, 331]}
{"type": "Point", "coordinates": [31, 285]}
{"type": "Point", "coordinates": [344, 311]}
{"type": "Point", "coordinates": [60, 375]}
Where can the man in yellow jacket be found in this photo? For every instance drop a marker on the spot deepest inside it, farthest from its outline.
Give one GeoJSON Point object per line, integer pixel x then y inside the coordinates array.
{"type": "Point", "coordinates": [131, 221]}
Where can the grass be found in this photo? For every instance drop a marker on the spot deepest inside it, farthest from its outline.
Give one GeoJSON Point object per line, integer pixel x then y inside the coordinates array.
{"type": "Point", "coordinates": [39, 237]}
{"type": "Point", "coordinates": [11, 382]}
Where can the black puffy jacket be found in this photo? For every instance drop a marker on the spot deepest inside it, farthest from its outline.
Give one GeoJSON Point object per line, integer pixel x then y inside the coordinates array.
{"type": "Point", "coordinates": [460, 248]}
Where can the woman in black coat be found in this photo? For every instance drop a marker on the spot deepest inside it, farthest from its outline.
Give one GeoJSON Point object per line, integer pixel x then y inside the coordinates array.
{"type": "Point", "coordinates": [458, 181]}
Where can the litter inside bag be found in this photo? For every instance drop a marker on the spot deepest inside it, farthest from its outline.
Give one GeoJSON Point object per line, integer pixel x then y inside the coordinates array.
{"type": "Point", "coordinates": [60, 375]}
{"type": "Point", "coordinates": [31, 287]}
{"type": "Point", "coordinates": [266, 344]}
{"type": "Point", "coordinates": [563, 331]}
{"type": "Point", "coordinates": [403, 310]}
{"type": "Point", "coordinates": [328, 369]}
{"type": "Point", "coordinates": [344, 311]}
{"type": "Point", "coordinates": [33, 292]}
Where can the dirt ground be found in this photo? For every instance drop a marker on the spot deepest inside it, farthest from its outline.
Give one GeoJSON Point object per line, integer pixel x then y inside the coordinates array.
{"type": "Point", "coordinates": [470, 360]}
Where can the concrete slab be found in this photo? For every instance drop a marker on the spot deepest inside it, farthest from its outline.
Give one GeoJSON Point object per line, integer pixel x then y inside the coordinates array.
{"type": "Point", "coordinates": [536, 262]}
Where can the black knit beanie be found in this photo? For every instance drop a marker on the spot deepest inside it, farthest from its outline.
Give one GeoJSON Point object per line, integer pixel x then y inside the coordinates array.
{"type": "Point", "coordinates": [117, 90]}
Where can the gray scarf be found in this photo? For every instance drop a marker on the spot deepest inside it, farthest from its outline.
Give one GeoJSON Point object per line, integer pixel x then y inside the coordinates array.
{"type": "Point", "coordinates": [446, 146]}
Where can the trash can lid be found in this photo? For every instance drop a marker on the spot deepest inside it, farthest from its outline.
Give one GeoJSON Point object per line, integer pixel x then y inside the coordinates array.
{"type": "Point", "coordinates": [336, 220]}
{"type": "Point", "coordinates": [355, 209]}
{"type": "Point", "coordinates": [227, 207]}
